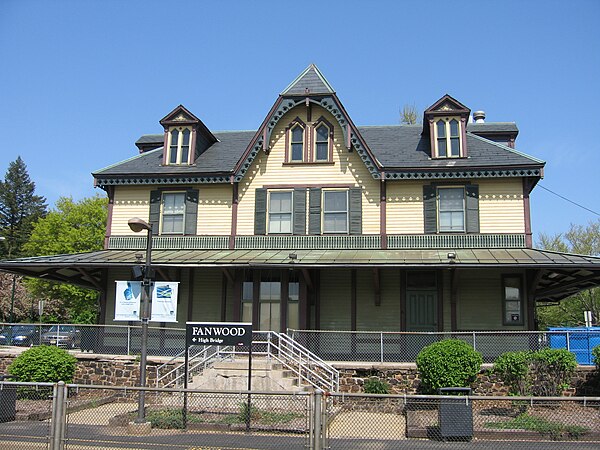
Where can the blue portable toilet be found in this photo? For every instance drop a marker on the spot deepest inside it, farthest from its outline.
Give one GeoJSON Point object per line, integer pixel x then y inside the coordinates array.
{"type": "Point", "coordinates": [581, 341]}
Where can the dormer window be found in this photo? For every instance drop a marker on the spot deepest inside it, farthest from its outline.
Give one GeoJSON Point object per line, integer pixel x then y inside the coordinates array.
{"type": "Point", "coordinates": [447, 138]}
{"type": "Point", "coordinates": [179, 145]}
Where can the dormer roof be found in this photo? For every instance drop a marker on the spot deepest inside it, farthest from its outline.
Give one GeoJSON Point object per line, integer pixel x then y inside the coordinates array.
{"type": "Point", "coordinates": [182, 116]}
{"type": "Point", "coordinates": [447, 105]}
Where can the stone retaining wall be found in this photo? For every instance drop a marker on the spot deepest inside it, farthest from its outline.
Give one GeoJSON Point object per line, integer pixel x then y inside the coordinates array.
{"type": "Point", "coordinates": [405, 380]}
{"type": "Point", "coordinates": [111, 370]}
{"type": "Point", "coordinates": [104, 370]}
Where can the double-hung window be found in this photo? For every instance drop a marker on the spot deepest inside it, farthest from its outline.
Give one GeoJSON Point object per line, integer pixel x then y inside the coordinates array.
{"type": "Point", "coordinates": [335, 211]}
{"type": "Point", "coordinates": [297, 144]}
{"type": "Point", "coordinates": [451, 209]}
{"type": "Point", "coordinates": [173, 213]}
{"type": "Point", "coordinates": [280, 212]}
{"type": "Point", "coordinates": [322, 143]}
{"type": "Point", "coordinates": [179, 146]}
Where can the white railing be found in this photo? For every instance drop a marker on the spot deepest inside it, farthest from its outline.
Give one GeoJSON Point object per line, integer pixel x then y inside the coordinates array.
{"type": "Point", "coordinates": [197, 363]}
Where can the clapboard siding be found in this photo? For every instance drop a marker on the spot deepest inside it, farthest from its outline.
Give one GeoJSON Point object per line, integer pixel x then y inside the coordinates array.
{"type": "Point", "coordinates": [270, 170]}
{"type": "Point", "coordinates": [129, 201]}
{"type": "Point", "coordinates": [501, 206]}
{"type": "Point", "coordinates": [404, 207]}
{"type": "Point", "coordinates": [214, 210]}
{"type": "Point", "coordinates": [207, 296]}
{"type": "Point", "coordinates": [386, 315]}
{"type": "Point", "coordinates": [335, 299]}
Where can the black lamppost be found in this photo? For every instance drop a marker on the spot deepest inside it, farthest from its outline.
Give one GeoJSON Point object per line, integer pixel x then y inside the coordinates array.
{"type": "Point", "coordinates": [136, 224]}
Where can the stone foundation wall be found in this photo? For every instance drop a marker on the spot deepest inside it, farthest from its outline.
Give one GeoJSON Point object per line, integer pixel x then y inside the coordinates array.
{"type": "Point", "coordinates": [103, 370]}
{"type": "Point", "coordinates": [405, 380]}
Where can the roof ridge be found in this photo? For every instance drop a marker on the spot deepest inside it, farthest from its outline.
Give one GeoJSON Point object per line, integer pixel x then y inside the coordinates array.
{"type": "Point", "coordinates": [321, 77]}
{"type": "Point", "coordinates": [506, 147]}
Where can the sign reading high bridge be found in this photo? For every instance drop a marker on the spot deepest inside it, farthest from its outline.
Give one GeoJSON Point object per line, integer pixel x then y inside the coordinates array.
{"type": "Point", "coordinates": [218, 333]}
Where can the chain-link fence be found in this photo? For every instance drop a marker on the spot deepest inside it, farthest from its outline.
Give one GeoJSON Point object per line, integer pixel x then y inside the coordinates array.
{"type": "Point", "coordinates": [58, 417]}
{"type": "Point", "coordinates": [391, 346]}
{"type": "Point", "coordinates": [461, 422]}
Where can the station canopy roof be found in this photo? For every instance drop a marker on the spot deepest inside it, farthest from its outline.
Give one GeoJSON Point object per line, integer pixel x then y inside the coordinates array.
{"type": "Point", "coordinates": [554, 275]}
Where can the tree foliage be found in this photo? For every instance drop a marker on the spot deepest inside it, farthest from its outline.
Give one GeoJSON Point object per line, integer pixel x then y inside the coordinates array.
{"type": "Point", "coordinates": [72, 227]}
{"type": "Point", "coordinates": [409, 115]}
{"type": "Point", "coordinates": [20, 208]}
{"type": "Point", "coordinates": [580, 239]}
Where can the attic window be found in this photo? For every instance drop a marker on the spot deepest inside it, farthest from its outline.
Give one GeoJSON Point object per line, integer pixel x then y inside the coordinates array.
{"type": "Point", "coordinates": [179, 145]}
{"type": "Point", "coordinates": [297, 147]}
{"type": "Point", "coordinates": [448, 141]}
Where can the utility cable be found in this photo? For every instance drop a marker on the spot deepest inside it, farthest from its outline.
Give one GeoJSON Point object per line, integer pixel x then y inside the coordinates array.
{"type": "Point", "coordinates": [568, 200]}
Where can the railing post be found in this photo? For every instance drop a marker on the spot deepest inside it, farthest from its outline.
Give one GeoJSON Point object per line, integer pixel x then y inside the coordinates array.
{"type": "Point", "coordinates": [58, 417]}
{"type": "Point", "coordinates": [317, 423]}
{"type": "Point", "coordinates": [568, 342]}
{"type": "Point", "coordinates": [381, 346]}
{"type": "Point", "coordinates": [128, 340]}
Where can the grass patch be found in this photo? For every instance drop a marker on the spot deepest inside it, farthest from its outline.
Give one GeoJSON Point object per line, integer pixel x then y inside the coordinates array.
{"type": "Point", "coordinates": [555, 430]}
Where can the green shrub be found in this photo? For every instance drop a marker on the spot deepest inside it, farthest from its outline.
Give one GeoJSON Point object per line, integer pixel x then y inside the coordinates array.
{"type": "Point", "coordinates": [596, 356]}
{"type": "Point", "coordinates": [166, 419]}
{"type": "Point", "coordinates": [448, 363]}
{"type": "Point", "coordinates": [543, 373]}
{"type": "Point", "coordinates": [513, 369]}
{"type": "Point", "coordinates": [376, 386]}
{"type": "Point", "coordinates": [43, 364]}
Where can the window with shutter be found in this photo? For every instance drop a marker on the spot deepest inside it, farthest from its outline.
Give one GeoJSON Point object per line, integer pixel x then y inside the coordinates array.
{"type": "Point", "coordinates": [451, 209]}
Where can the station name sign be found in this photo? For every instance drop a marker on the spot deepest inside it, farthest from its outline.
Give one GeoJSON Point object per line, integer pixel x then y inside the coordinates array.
{"type": "Point", "coordinates": [218, 333]}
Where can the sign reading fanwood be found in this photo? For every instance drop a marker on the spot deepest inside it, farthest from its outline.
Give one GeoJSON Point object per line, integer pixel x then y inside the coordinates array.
{"type": "Point", "coordinates": [218, 333]}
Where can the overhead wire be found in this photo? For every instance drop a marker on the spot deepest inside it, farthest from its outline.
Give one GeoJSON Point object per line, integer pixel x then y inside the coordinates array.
{"type": "Point", "coordinates": [569, 200]}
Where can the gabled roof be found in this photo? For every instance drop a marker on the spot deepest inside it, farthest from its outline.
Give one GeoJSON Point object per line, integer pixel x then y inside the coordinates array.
{"type": "Point", "coordinates": [311, 81]}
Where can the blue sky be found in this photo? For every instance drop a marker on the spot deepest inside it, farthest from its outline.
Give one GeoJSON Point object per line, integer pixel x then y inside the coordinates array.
{"type": "Point", "coordinates": [82, 80]}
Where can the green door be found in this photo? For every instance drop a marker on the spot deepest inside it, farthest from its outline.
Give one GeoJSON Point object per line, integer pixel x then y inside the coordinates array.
{"type": "Point", "coordinates": [421, 310]}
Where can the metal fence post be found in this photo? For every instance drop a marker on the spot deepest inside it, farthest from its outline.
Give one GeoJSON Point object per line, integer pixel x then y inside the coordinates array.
{"type": "Point", "coordinates": [128, 340]}
{"type": "Point", "coordinates": [474, 342]}
{"type": "Point", "coordinates": [381, 345]}
{"type": "Point", "coordinates": [317, 424]}
{"type": "Point", "coordinates": [59, 417]}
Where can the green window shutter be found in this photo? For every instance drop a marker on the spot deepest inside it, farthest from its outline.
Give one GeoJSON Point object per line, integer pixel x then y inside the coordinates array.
{"type": "Point", "coordinates": [355, 210]}
{"type": "Point", "coordinates": [154, 217]}
{"type": "Point", "coordinates": [191, 211]}
{"type": "Point", "coordinates": [314, 219]}
{"type": "Point", "coordinates": [299, 211]}
{"type": "Point", "coordinates": [472, 208]}
{"type": "Point", "coordinates": [430, 209]}
{"type": "Point", "coordinates": [260, 211]}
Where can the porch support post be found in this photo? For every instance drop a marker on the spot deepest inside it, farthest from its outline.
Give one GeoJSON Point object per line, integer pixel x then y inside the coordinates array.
{"type": "Point", "coordinates": [234, 214]}
{"type": "Point", "coordinates": [256, 299]}
{"type": "Point", "coordinates": [103, 295]}
{"type": "Point", "coordinates": [533, 278]}
{"type": "Point", "coordinates": [440, 300]}
{"type": "Point", "coordinates": [353, 299]}
{"type": "Point", "coordinates": [527, 187]}
{"type": "Point", "coordinates": [283, 311]}
{"type": "Point", "coordinates": [402, 282]}
{"type": "Point", "coordinates": [303, 309]}
{"type": "Point", "coordinates": [224, 282]}
{"type": "Point", "coordinates": [190, 299]}
{"type": "Point", "coordinates": [317, 296]}
{"type": "Point", "coordinates": [237, 295]}
{"type": "Point", "coordinates": [453, 298]}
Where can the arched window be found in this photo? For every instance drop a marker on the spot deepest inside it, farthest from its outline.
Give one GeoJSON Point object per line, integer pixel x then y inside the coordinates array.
{"type": "Point", "coordinates": [179, 146]}
{"type": "Point", "coordinates": [322, 143]}
{"type": "Point", "coordinates": [297, 147]}
{"type": "Point", "coordinates": [448, 140]}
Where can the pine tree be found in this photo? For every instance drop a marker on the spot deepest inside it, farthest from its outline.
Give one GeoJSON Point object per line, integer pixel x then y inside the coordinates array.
{"type": "Point", "coordinates": [20, 208]}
